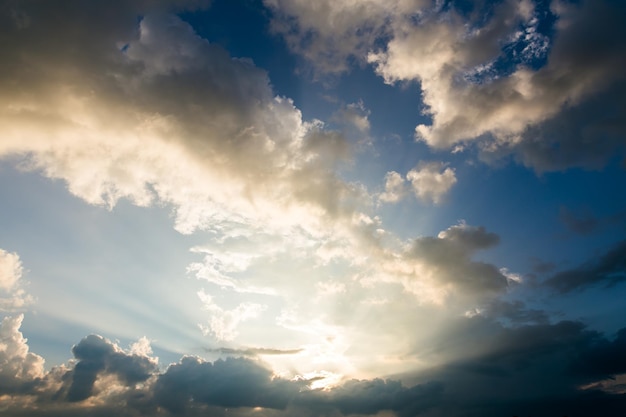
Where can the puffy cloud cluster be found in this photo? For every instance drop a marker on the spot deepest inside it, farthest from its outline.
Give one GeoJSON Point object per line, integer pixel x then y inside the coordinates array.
{"type": "Point", "coordinates": [430, 182]}
{"type": "Point", "coordinates": [18, 366]}
{"type": "Point", "coordinates": [513, 76]}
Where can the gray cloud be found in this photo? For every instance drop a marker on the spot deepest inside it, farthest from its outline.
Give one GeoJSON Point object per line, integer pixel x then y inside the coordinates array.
{"type": "Point", "coordinates": [449, 254]}
{"type": "Point", "coordinates": [225, 383]}
{"type": "Point", "coordinates": [255, 351]}
{"type": "Point", "coordinates": [370, 397]}
{"type": "Point", "coordinates": [609, 269]}
{"type": "Point", "coordinates": [97, 355]}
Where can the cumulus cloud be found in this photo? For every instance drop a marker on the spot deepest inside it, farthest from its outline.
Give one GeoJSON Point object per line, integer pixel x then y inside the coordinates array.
{"type": "Point", "coordinates": [10, 270]}
{"type": "Point", "coordinates": [431, 181]}
{"type": "Point", "coordinates": [395, 188]}
{"type": "Point", "coordinates": [96, 356]}
{"type": "Point", "coordinates": [18, 366]}
{"type": "Point", "coordinates": [513, 76]}
{"type": "Point", "coordinates": [12, 294]}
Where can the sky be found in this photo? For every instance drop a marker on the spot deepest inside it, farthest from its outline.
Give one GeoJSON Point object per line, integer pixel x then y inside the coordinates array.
{"type": "Point", "coordinates": [278, 208]}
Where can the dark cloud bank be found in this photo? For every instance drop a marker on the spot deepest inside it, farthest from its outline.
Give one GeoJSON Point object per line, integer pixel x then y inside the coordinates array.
{"type": "Point", "coordinates": [536, 369]}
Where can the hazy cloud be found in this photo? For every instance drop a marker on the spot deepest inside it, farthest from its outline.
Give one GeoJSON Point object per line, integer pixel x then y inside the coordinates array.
{"type": "Point", "coordinates": [223, 323]}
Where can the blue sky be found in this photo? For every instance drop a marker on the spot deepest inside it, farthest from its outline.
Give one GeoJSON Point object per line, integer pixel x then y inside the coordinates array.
{"type": "Point", "coordinates": [318, 208]}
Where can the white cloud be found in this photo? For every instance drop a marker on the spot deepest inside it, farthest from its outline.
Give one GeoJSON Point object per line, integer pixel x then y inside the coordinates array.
{"type": "Point", "coordinates": [395, 188]}
{"type": "Point", "coordinates": [431, 181]}
{"type": "Point", "coordinates": [10, 270]}
{"type": "Point", "coordinates": [17, 364]}
{"type": "Point", "coordinates": [12, 294]}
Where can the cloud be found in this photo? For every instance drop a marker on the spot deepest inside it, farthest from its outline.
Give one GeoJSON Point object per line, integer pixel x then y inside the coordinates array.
{"type": "Point", "coordinates": [608, 269]}
{"type": "Point", "coordinates": [441, 270]}
{"type": "Point", "coordinates": [372, 396]}
{"type": "Point", "coordinates": [539, 81]}
{"type": "Point", "coordinates": [447, 259]}
{"type": "Point", "coordinates": [12, 295]}
{"type": "Point", "coordinates": [96, 356]}
{"type": "Point", "coordinates": [18, 366]}
{"type": "Point", "coordinates": [500, 369]}
{"type": "Point", "coordinates": [10, 270]}
{"type": "Point", "coordinates": [223, 323]}
{"type": "Point", "coordinates": [222, 149]}
{"type": "Point", "coordinates": [431, 180]}
{"type": "Point", "coordinates": [328, 32]}
{"type": "Point", "coordinates": [225, 383]}
{"type": "Point", "coordinates": [354, 115]}
{"type": "Point", "coordinates": [395, 188]}
{"type": "Point", "coordinates": [255, 351]}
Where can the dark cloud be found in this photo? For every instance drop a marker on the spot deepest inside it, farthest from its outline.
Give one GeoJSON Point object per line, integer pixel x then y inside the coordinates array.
{"type": "Point", "coordinates": [370, 397]}
{"type": "Point", "coordinates": [604, 358]}
{"type": "Point", "coordinates": [532, 369]}
{"type": "Point", "coordinates": [96, 355]}
{"type": "Point", "coordinates": [587, 135]}
{"type": "Point", "coordinates": [226, 383]}
{"type": "Point", "coordinates": [608, 269]}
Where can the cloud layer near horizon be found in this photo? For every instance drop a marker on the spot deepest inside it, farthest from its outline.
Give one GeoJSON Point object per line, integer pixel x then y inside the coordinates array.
{"type": "Point", "coordinates": [105, 378]}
